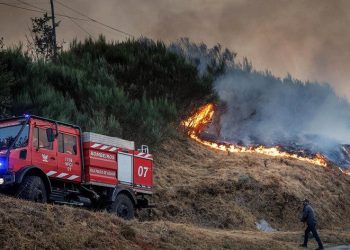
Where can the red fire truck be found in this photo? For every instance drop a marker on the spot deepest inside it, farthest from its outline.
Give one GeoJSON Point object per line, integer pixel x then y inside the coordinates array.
{"type": "Point", "coordinates": [44, 160]}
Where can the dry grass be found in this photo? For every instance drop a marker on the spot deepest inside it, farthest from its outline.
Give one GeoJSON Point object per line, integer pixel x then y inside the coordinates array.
{"type": "Point", "coordinates": [206, 200]}
{"type": "Point", "coordinates": [209, 188]}
{"type": "Point", "coordinates": [25, 225]}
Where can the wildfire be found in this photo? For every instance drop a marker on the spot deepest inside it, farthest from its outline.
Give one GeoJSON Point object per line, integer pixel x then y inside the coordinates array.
{"type": "Point", "coordinates": [200, 119]}
{"type": "Point", "coordinates": [203, 117]}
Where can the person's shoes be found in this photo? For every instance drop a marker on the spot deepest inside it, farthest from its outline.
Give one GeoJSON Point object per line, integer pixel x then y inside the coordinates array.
{"type": "Point", "coordinates": [302, 245]}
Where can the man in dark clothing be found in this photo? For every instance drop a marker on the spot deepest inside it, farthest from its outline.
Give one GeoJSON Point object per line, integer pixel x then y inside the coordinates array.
{"type": "Point", "coordinates": [310, 219]}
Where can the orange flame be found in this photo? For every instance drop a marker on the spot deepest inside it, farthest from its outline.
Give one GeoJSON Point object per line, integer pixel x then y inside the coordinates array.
{"type": "Point", "coordinates": [203, 117]}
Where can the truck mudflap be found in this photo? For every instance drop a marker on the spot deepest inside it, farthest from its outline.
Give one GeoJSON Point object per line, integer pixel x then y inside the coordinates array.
{"type": "Point", "coordinates": [121, 189]}
{"type": "Point", "coordinates": [144, 203]}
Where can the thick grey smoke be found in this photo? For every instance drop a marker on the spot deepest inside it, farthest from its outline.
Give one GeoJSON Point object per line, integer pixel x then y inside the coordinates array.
{"type": "Point", "coordinates": [262, 109]}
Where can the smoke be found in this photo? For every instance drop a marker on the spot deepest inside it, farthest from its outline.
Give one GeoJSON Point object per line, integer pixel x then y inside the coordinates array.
{"type": "Point", "coordinates": [264, 110]}
{"type": "Point", "coordinates": [203, 57]}
{"type": "Point", "coordinates": [261, 109]}
{"type": "Point", "coordinates": [307, 38]}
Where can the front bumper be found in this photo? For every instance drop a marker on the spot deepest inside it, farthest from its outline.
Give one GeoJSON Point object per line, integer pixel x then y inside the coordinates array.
{"type": "Point", "coordinates": [6, 179]}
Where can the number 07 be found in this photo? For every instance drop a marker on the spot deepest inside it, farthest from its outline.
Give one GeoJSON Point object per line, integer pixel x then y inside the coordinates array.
{"type": "Point", "coordinates": [142, 171]}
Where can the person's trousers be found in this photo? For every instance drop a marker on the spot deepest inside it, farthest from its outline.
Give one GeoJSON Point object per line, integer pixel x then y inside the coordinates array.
{"type": "Point", "coordinates": [312, 229]}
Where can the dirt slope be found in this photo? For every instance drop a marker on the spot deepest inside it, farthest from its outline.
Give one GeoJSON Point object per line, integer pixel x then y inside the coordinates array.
{"type": "Point", "coordinates": [206, 200]}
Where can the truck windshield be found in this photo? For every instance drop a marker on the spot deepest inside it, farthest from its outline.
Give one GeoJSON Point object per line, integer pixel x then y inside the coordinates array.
{"type": "Point", "coordinates": [8, 134]}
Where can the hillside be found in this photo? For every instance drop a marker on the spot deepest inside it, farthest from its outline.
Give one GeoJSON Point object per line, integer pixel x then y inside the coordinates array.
{"type": "Point", "coordinates": [195, 182]}
{"type": "Point", "coordinates": [205, 200]}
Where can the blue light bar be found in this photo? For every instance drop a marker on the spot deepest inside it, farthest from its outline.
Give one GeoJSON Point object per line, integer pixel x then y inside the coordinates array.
{"type": "Point", "coordinates": [3, 164]}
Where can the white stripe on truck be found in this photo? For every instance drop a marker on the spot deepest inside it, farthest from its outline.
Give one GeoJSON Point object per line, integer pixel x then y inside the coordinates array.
{"type": "Point", "coordinates": [51, 173]}
{"type": "Point", "coordinates": [61, 175]}
{"type": "Point", "coordinates": [113, 149]}
{"type": "Point", "coordinates": [72, 177]}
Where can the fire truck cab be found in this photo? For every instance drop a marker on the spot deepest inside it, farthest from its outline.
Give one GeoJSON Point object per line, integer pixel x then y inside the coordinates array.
{"type": "Point", "coordinates": [45, 160]}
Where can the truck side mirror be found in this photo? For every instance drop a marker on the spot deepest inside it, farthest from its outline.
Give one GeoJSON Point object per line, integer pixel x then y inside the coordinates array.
{"type": "Point", "coordinates": [50, 135]}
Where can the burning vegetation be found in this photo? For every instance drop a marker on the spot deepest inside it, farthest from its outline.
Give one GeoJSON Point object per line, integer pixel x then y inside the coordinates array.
{"type": "Point", "coordinates": [198, 123]}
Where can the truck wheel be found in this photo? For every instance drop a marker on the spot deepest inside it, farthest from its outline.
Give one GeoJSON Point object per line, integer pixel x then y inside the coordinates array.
{"type": "Point", "coordinates": [32, 188]}
{"type": "Point", "coordinates": [123, 207]}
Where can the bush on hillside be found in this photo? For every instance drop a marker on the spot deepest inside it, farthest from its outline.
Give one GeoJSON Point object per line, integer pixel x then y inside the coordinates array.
{"type": "Point", "coordinates": [132, 89]}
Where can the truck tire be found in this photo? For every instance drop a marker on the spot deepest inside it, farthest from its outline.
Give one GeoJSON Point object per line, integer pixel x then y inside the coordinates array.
{"type": "Point", "coordinates": [123, 207]}
{"type": "Point", "coordinates": [32, 188]}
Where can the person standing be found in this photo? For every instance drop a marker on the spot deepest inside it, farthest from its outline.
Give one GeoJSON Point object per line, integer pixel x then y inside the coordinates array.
{"type": "Point", "coordinates": [310, 219]}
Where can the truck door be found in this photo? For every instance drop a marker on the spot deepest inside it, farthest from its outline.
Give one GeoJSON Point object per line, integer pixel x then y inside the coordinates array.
{"type": "Point", "coordinates": [43, 152]}
{"type": "Point", "coordinates": [125, 164]}
{"type": "Point", "coordinates": [69, 163]}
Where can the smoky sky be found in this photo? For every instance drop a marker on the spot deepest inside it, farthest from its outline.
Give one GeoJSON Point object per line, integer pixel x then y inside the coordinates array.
{"type": "Point", "coordinates": [308, 38]}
